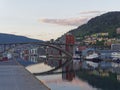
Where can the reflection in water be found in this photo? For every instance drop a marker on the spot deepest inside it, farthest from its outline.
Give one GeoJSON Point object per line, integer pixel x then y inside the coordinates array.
{"type": "Point", "coordinates": [68, 72]}
{"type": "Point", "coordinates": [27, 60]}
{"type": "Point", "coordinates": [76, 75]}
{"type": "Point", "coordinates": [105, 81]}
{"type": "Point", "coordinates": [56, 83]}
{"type": "Point", "coordinates": [40, 67]}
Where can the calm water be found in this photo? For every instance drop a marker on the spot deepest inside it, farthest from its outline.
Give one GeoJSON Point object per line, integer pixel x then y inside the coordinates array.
{"type": "Point", "coordinates": [74, 75]}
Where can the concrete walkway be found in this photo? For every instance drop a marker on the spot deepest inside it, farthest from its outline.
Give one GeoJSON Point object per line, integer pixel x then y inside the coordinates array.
{"type": "Point", "coordinates": [15, 77]}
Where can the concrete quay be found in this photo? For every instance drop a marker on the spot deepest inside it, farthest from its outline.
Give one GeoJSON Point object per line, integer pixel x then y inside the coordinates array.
{"type": "Point", "coordinates": [13, 76]}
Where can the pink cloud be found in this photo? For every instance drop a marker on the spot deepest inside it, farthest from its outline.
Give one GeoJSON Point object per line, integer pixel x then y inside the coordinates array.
{"type": "Point", "coordinates": [69, 21]}
{"type": "Point", "coordinates": [92, 12]}
{"type": "Point", "coordinates": [77, 21]}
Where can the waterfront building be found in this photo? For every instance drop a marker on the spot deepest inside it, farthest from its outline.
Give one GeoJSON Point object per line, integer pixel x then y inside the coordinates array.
{"type": "Point", "coordinates": [77, 54]}
{"type": "Point", "coordinates": [105, 54]}
{"type": "Point", "coordinates": [109, 54]}
{"type": "Point", "coordinates": [33, 51]}
{"type": "Point", "coordinates": [115, 47]}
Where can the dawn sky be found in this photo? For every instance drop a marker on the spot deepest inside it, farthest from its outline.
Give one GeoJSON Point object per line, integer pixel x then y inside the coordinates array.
{"type": "Point", "coordinates": [47, 19]}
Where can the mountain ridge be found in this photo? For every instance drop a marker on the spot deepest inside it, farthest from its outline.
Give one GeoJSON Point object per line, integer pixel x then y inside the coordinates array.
{"type": "Point", "coordinates": [11, 38]}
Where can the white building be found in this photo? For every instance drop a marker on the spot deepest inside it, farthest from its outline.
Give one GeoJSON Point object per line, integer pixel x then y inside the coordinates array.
{"type": "Point", "coordinates": [33, 51]}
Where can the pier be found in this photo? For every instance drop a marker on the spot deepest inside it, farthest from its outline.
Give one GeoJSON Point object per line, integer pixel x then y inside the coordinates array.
{"type": "Point", "coordinates": [14, 76]}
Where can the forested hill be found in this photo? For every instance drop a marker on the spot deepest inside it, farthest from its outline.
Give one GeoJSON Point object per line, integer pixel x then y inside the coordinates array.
{"type": "Point", "coordinates": [107, 22]}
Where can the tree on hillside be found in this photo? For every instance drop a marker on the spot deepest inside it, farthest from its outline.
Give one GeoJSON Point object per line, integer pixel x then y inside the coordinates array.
{"type": "Point", "coordinates": [100, 43]}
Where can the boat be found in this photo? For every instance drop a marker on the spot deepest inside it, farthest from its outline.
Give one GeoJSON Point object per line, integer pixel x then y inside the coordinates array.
{"type": "Point", "coordinates": [115, 55]}
{"type": "Point", "coordinates": [93, 57]}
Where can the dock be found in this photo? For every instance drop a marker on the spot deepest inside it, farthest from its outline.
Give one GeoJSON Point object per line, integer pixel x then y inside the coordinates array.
{"type": "Point", "coordinates": [14, 76]}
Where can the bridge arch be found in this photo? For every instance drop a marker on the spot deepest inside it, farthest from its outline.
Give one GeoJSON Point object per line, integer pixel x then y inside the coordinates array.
{"type": "Point", "coordinates": [39, 43]}
{"type": "Point", "coordinates": [53, 46]}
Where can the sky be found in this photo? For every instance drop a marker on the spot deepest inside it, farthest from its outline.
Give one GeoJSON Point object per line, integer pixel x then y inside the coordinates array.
{"type": "Point", "coordinates": [49, 19]}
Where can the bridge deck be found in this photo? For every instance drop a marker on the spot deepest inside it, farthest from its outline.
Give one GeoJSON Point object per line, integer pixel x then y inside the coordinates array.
{"type": "Point", "coordinates": [15, 77]}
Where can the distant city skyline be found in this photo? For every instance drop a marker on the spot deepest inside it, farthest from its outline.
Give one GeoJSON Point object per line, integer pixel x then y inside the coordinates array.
{"type": "Point", "coordinates": [49, 19]}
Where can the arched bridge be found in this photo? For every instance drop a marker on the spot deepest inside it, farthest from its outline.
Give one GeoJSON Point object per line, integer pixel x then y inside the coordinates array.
{"type": "Point", "coordinates": [37, 43]}
{"type": "Point", "coordinates": [42, 44]}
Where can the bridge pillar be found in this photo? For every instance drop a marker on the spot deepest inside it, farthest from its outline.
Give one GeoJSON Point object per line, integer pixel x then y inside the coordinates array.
{"type": "Point", "coordinates": [70, 41]}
